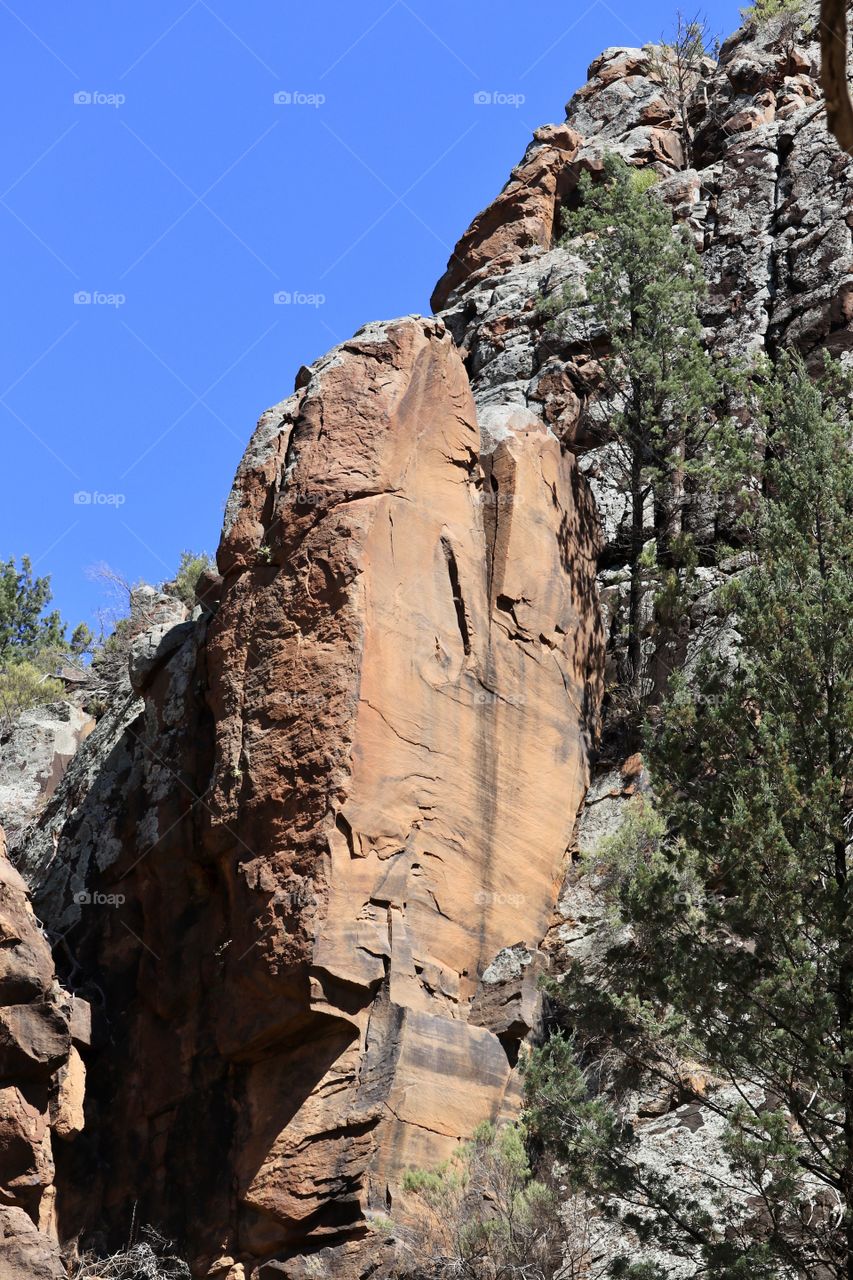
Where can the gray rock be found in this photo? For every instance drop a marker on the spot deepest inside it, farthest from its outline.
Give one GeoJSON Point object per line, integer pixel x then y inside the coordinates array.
{"type": "Point", "coordinates": [34, 755]}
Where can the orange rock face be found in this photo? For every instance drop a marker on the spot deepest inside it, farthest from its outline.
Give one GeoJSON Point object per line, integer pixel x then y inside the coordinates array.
{"type": "Point", "coordinates": [523, 215]}
{"type": "Point", "coordinates": [404, 682]}
{"type": "Point", "coordinates": [344, 793]}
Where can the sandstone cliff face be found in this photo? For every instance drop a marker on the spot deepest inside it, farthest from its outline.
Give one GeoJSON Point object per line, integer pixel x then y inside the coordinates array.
{"type": "Point", "coordinates": [343, 793]}
{"type": "Point", "coordinates": [309, 866]}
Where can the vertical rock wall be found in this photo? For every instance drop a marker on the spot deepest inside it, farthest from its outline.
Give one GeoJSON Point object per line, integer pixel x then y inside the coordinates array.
{"type": "Point", "coordinates": [305, 866]}
{"type": "Point", "coordinates": [345, 791]}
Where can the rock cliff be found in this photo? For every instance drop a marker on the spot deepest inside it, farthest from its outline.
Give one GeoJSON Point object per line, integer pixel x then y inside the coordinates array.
{"type": "Point", "coordinates": [42, 1083]}
{"type": "Point", "coordinates": [308, 865]}
{"type": "Point", "coordinates": [334, 801]}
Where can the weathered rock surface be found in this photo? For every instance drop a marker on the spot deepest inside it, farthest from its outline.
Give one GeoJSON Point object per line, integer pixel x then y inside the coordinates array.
{"type": "Point", "coordinates": [42, 1086]}
{"type": "Point", "coordinates": [294, 859]}
{"type": "Point", "coordinates": [308, 867]}
{"type": "Point", "coordinates": [35, 751]}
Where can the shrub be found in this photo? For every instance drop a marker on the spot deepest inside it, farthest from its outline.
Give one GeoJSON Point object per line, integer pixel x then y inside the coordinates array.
{"type": "Point", "coordinates": [151, 1258]}
{"type": "Point", "coordinates": [23, 685]}
{"type": "Point", "coordinates": [484, 1215]}
{"type": "Point", "coordinates": [763, 11]}
{"type": "Point", "coordinates": [192, 565]}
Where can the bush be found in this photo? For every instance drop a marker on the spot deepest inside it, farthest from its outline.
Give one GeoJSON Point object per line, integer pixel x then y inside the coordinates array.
{"type": "Point", "coordinates": [192, 565]}
{"type": "Point", "coordinates": [151, 1258]}
{"type": "Point", "coordinates": [763, 11]}
{"type": "Point", "coordinates": [483, 1215]}
{"type": "Point", "coordinates": [22, 686]}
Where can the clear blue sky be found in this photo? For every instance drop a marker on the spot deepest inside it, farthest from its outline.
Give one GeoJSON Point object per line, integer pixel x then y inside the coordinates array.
{"type": "Point", "coordinates": [185, 197]}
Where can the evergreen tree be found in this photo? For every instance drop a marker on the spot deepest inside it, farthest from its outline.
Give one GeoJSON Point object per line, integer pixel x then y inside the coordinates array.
{"type": "Point", "coordinates": [25, 629]}
{"type": "Point", "coordinates": [643, 287]}
{"type": "Point", "coordinates": [738, 893]}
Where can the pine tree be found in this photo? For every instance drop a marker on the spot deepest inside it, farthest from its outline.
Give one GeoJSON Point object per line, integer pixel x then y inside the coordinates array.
{"type": "Point", "coordinates": [738, 893]}
{"type": "Point", "coordinates": [25, 629]}
{"type": "Point", "coordinates": [644, 286]}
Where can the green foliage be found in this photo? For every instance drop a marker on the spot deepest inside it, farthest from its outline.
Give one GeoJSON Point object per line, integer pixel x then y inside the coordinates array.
{"type": "Point", "coordinates": [642, 180]}
{"type": "Point", "coordinates": [25, 629]}
{"type": "Point", "coordinates": [483, 1213]}
{"type": "Point", "coordinates": [736, 898]}
{"type": "Point", "coordinates": [22, 686]}
{"type": "Point", "coordinates": [190, 569]}
{"type": "Point", "coordinates": [82, 640]}
{"type": "Point", "coordinates": [764, 11]}
{"type": "Point", "coordinates": [33, 643]}
{"type": "Point", "coordinates": [661, 392]}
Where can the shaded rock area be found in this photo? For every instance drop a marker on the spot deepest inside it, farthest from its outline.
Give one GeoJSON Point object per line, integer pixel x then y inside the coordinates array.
{"type": "Point", "coordinates": [308, 866]}
{"type": "Point", "coordinates": [42, 1085]}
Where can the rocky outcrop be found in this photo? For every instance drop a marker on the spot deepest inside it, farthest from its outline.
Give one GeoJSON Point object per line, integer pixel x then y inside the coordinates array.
{"type": "Point", "coordinates": [293, 860]}
{"type": "Point", "coordinates": [766, 191]}
{"type": "Point", "coordinates": [311, 862]}
{"type": "Point", "coordinates": [35, 750]}
{"type": "Point", "coordinates": [42, 1085]}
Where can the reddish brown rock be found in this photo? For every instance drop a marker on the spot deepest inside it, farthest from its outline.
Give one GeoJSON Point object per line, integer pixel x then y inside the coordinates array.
{"type": "Point", "coordinates": [622, 108]}
{"type": "Point", "coordinates": [307, 873]}
{"type": "Point", "coordinates": [420, 678]}
{"type": "Point", "coordinates": [25, 1252]}
{"type": "Point", "coordinates": [523, 215]}
{"type": "Point", "coordinates": [35, 1058]}
{"type": "Point", "coordinates": [345, 793]}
